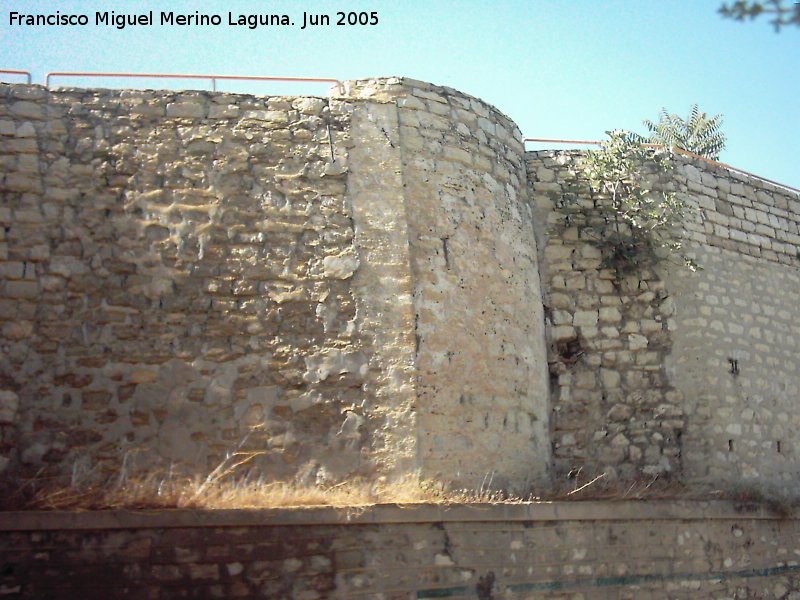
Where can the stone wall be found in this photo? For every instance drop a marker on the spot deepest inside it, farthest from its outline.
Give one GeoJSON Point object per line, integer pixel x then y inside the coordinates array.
{"type": "Point", "coordinates": [736, 352]}
{"type": "Point", "coordinates": [577, 550]}
{"type": "Point", "coordinates": [670, 372]}
{"type": "Point", "coordinates": [177, 272]}
{"type": "Point", "coordinates": [350, 286]}
{"type": "Point", "coordinates": [614, 409]}
{"type": "Point", "coordinates": [480, 353]}
{"type": "Point", "coordinates": [344, 286]}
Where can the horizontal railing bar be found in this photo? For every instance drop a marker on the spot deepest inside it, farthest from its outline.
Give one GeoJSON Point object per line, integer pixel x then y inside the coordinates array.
{"type": "Point", "coordinates": [210, 77]}
{"type": "Point", "coordinates": [549, 141]}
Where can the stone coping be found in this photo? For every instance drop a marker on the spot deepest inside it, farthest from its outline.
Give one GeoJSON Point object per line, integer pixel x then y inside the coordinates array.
{"type": "Point", "coordinates": [596, 510]}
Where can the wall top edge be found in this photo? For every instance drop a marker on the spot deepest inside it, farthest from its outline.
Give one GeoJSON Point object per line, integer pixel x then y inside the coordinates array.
{"type": "Point", "coordinates": [375, 89]}
{"type": "Point", "coordinates": [636, 510]}
{"type": "Point", "coordinates": [711, 167]}
{"type": "Point", "coordinates": [35, 91]}
{"type": "Point", "coordinates": [391, 88]}
{"type": "Point", "coordinates": [380, 89]}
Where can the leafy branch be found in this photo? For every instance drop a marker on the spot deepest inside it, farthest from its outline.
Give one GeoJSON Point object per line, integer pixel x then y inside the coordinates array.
{"type": "Point", "coordinates": [639, 222]}
{"type": "Point", "coordinates": [782, 14]}
{"type": "Point", "coordinates": [698, 133]}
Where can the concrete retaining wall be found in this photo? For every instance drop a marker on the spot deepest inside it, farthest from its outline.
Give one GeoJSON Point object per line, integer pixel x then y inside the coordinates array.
{"type": "Point", "coordinates": [574, 550]}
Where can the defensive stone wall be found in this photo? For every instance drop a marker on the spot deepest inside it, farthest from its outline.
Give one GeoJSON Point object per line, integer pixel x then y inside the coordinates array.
{"type": "Point", "coordinates": [576, 550]}
{"type": "Point", "coordinates": [344, 286]}
{"type": "Point", "coordinates": [668, 371]}
{"type": "Point", "coordinates": [178, 273]}
{"type": "Point", "coordinates": [350, 286]}
{"type": "Point", "coordinates": [614, 409]}
{"type": "Point", "coordinates": [479, 336]}
{"type": "Point", "coordinates": [736, 352]}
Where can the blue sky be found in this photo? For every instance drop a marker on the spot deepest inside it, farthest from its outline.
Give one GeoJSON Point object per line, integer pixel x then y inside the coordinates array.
{"type": "Point", "coordinates": [560, 69]}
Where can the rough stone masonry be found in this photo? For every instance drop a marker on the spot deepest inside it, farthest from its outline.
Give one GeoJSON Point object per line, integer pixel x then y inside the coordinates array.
{"type": "Point", "coordinates": [335, 284]}
{"type": "Point", "coordinates": [378, 283]}
{"type": "Point", "coordinates": [666, 372]}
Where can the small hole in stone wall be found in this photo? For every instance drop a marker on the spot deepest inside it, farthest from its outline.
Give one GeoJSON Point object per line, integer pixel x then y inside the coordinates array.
{"type": "Point", "coordinates": [778, 446]}
{"type": "Point", "coordinates": [730, 445]}
{"type": "Point", "coordinates": [553, 380]}
{"type": "Point", "coordinates": [446, 251]}
{"type": "Point", "coordinates": [570, 351]}
{"type": "Point", "coordinates": [734, 370]}
{"type": "Point", "coordinates": [484, 586]}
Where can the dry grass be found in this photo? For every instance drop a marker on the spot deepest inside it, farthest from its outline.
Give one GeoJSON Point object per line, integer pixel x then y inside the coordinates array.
{"type": "Point", "coordinates": [654, 488]}
{"type": "Point", "coordinates": [159, 492]}
{"type": "Point", "coordinates": [226, 491]}
{"type": "Point", "coordinates": [231, 486]}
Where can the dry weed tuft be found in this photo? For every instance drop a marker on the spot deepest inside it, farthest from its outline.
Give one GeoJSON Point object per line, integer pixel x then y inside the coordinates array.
{"type": "Point", "coordinates": [227, 487]}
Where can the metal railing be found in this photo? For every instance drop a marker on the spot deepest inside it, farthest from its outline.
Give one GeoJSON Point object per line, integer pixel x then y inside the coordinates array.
{"type": "Point", "coordinates": [674, 149]}
{"type": "Point", "coordinates": [17, 72]}
{"type": "Point", "coordinates": [549, 141]}
{"type": "Point", "coordinates": [213, 78]}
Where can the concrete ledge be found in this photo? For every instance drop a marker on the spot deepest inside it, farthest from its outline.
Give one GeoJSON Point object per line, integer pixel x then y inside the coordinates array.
{"type": "Point", "coordinates": [663, 510]}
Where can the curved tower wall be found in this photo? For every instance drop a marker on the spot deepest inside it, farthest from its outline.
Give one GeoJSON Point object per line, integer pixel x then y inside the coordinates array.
{"type": "Point", "coordinates": [479, 336]}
